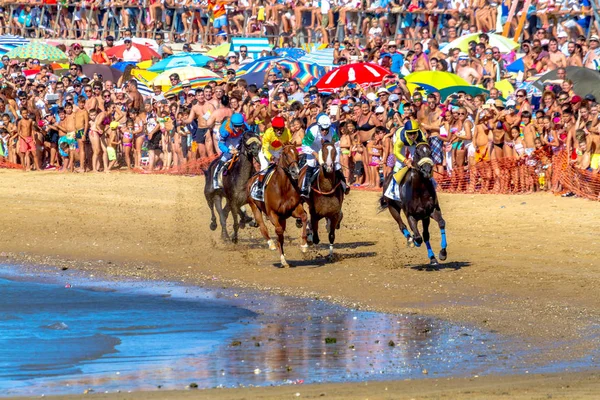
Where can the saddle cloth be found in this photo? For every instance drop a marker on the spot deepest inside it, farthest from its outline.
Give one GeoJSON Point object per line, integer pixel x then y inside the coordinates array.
{"type": "Point", "coordinates": [227, 167]}
{"type": "Point", "coordinates": [393, 191]}
{"type": "Point", "coordinates": [254, 192]}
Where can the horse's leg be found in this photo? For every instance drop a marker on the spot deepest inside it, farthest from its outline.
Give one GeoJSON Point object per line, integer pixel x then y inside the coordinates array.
{"type": "Point", "coordinates": [235, 213]}
{"type": "Point", "coordinates": [437, 216]}
{"type": "Point", "coordinates": [396, 213]}
{"type": "Point", "coordinates": [211, 204]}
{"type": "Point", "coordinates": [280, 230]}
{"type": "Point", "coordinates": [222, 217]}
{"type": "Point", "coordinates": [430, 254]}
{"type": "Point", "coordinates": [413, 223]}
{"type": "Point", "coordinates": [300, 214]}
{"type": "Point", "coordinates": [314, 227]}
{"type": "Point", "coordinates": [333, 225]}
{"type": "Point", "coordinates": [262, 225]}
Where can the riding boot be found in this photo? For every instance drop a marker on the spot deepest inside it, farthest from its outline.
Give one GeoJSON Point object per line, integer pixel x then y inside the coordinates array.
{"type": "Point", "coordinates": [342, 179]}
{"type": "Point", "coordinates": [218, 169]}
{"type": "Point", "coordinates": [306, 183]}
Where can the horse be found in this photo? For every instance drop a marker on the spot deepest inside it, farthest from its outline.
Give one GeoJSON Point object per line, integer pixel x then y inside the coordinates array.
{"type": "Point", "coordinates": [419, 202]}
{"type": "Point", "coordinates": [326, 198]}
{"type": "Point", "coordinates": [233, 188]}
{"type": "Point", "coordinates": [281, 200]}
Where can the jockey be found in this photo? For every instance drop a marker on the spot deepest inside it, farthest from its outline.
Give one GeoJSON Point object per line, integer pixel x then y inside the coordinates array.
{"type": "Point", "coordinates": [406, 141]}
{"type": "Point", "coordinates": [231, 132]}
{"type": "Point", "coordinates": [273, 141]}
{"type": "Point", "coordinates": [312, 144]}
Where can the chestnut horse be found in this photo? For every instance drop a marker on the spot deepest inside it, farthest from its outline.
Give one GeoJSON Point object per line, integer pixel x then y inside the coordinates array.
{"type": "Point", "coordinates": [281, 200]}
{"type": "Point", "coordinates": [326, 197]}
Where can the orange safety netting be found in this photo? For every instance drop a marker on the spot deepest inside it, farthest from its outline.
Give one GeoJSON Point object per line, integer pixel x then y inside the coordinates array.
{"type": "Point", "coordinates": [504, 176]}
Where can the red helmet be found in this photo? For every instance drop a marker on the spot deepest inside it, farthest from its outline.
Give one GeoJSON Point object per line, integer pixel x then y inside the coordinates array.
{"type": "Point", "coordinates": [278, 122]}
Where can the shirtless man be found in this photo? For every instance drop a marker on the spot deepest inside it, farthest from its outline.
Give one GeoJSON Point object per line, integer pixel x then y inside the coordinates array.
{"type": "Point", "coordinates": [593, 55]}
{"type": "Point", "coordinates": [216, 118]}
{"type": "Point", "coordinates": [201, 112]}
{"type": "Point", "coordinates": [26, 141]}
{"type": "Point", "coordinates": [556, 56]}
{"type": "Point", "coordinates": [82, 125]}
{"type": "Point", "coordinates": [481, 143]}
{"type": "Point", "coordinates": [137, 101]}
{"type": "Point", "coordinates": [420, 61]}
{"type": "Point", "coordinates": [465, 71]}
{"type": "Point", "coordinates": [429, 118]}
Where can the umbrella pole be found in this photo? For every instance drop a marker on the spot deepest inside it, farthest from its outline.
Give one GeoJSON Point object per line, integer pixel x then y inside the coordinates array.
{"type": "Point", "coordinates": [522, 21]}
{"type": "Point", "coordinates": [511, 15]}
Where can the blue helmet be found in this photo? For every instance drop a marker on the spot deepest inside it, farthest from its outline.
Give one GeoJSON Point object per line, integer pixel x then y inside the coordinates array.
{"type": "Point", "coordinates": [237, 119]}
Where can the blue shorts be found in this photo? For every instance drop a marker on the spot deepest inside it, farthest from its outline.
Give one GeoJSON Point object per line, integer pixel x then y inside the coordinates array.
{"type": "Point", "coordinates": [220, 22]}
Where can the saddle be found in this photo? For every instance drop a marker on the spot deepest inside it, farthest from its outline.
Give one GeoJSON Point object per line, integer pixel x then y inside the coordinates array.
{"type": "Point", "coordinates": [263, 179]}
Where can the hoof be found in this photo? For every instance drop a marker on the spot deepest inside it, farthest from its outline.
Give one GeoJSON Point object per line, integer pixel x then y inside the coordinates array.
{"type": "Point", "coordinates": [253, 224]}
{"type": "Point", "coordinates": [304, 248]}
{"type": "Point", "coordinates": [316, 240]}
{"type": "Point", "coordinates": [443, 254]}
{"type": "Point", "coordinates": [410, 242]}
{"type": "Point", "coordinates": [298, 223]}
{"type": "Point", "coordinates": [309, 239]}
{"type": "Point", "coordinates": [234, 239]}
{"type": "Point", "coordinates": [213, 226]}
{"type": "Point", "coordinates": [418, 243]}
{"type": "Point", "coordinates": [433, 262]}
{"type": "Point", "coordinates": [272, 245]}
{"type": "Point", "coordinates": [284, 263]}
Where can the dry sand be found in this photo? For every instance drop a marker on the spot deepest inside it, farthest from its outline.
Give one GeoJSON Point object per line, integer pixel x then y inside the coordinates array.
{"type": "Point", "coordinates": [522, 266]}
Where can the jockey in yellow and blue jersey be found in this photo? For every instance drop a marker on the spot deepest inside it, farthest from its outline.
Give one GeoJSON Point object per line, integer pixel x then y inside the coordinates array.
{"type": "Point", "coordinates": [405, 143]}
{"type": "Point", "coordinates": [273, 141]}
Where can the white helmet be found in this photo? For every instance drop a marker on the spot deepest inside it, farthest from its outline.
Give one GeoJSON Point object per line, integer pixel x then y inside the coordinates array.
{"type": "Point", "coordinates": [324, 122]}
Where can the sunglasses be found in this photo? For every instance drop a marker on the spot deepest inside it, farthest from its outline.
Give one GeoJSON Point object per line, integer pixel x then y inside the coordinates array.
{"type": "Point", "coordinates": [231, 73]}
{"type": "Point", "coordinates": [88, 90]}
{"type": "Point", "coordinates": [563, 99]}
{"type": "Point", "coordinates": [173, 79]}
{"type": "Point", "coordinates": [461, 113]}
{"type": "Point", "coordinates": [73, 69]}
{"type": "Point", "coordinates": [107, 96]}
{"type": "Point", "coordinates": [520, 95]}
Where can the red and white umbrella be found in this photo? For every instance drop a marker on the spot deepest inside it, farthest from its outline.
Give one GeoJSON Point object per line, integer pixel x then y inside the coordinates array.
{"type": "Point", "coordinates": [364, 74]}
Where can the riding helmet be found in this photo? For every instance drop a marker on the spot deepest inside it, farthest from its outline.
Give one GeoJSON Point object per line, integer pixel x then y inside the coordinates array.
{"type": "Point", "coordinates": [278, 122]}
{"type": "Point", "coordinates": [237, 119]}
{"type": "Point", "coordinates": [324, 122]}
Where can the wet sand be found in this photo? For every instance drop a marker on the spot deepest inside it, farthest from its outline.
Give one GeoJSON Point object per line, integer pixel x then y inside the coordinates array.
{"type": "Point", "coordinates": [521, 266]}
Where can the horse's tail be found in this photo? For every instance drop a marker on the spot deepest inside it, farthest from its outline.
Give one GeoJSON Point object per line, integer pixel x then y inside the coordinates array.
{"type": "Point", "coordinates": [383, 204]}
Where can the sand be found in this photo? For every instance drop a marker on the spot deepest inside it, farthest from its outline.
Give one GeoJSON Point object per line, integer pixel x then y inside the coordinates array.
{"type": "Point", "coordinates": [522, 266]}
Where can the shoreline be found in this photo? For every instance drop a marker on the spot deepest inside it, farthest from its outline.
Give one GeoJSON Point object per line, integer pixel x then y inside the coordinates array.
{"type": "Point", "coordinates": [520, 266]}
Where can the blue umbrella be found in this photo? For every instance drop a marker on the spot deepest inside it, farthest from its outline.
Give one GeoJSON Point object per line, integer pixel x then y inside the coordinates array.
{"type": "Point", "coordinates": [293, 53]}
{"type": "Point", "coordinates": [181, 60]}
{"type": "Point", "coordinates": [516, 66]}
{"type": "Point", "coordinates": [323, 57]}
{"type": "Point", "coordinates": [256, 78]}
{"type": "Point", "coordinates": [9, 42]}
{"type": "Point", "coordinates": [121, 65]}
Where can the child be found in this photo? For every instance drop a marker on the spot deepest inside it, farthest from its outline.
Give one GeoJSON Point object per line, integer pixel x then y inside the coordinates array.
{"type": "Point", "coordinates": [374, 151]}
{"type": "Point", "coordinates": [182, 132]}
{"type": "Point", "coordinates": [127, 135]}
{"type": "Point", "coordinates": [27, 141]}
{"type": "Point", "coordinates": [4, 139]}
{"type": "Point", "coordinates": [113, 142]}
{"type": "Point", "coordinates": [356, 151]}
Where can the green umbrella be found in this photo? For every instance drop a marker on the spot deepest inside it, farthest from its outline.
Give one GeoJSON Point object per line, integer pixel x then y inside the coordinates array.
{"type": "Point", "coordinates": [471, 90]}
{"type": "Point", "coordinates": [40, 51]}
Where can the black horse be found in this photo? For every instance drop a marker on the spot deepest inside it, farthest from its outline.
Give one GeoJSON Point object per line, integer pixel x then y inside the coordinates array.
{"type": "Point", "coordinates": [419, 202]}
{"type": "Point", "coordinates": [233, 188]}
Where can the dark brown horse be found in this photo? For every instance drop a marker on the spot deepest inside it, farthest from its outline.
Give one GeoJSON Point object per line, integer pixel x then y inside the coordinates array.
{"type": "Point", "coordinates": [419, 202]}
{"type": "Point", "coordinates": [281, 200]}
{"type": "Point", "coordinates": [326, 197]}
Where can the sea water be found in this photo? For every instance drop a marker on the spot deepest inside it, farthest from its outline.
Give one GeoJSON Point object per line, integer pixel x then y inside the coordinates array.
{"type": "Point", "coordinates": [60, 338]}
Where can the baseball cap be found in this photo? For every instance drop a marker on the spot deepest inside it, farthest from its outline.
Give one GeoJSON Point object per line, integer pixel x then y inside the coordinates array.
{"type": "Point", "coordinates": [590, 97]}
{"type": "Point", "coordinates": [575, 99]}
{"type": "Point", "coordinates": [563, 34]}
{"type": "Point", "coordinates": [463, 56]}
{"type": "Point", "coordinates": [379, 110]}
{"type": "Point", "coordinates": [510, 103]}
{"type": "Point", "coordinates": [394, 97]}
{"type": "Point", "coordinates": [371, 96]}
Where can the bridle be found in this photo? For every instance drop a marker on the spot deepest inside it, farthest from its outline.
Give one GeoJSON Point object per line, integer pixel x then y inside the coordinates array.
{"type": "Point", "coordinates": [424, 160]}
{"type": "Point", "coordinates": [290, 165]}
{"type": "Point", "coordinates": [248, 142]}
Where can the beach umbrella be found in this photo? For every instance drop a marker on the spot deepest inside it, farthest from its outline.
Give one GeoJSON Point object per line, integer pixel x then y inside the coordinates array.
{"type": "Point", "coordinates": [470, 90]}
{"type": "Point", "coordinates": [364, 74]}
{"type": "Point", "coordinates": [505, 87]}
{"type": "Point", "coordinates": [220, 50]}
{"type": "Point", "coordinates": [146, 52]}
{"type": "Point", "coordinates": [516, 66]}
{"type": "Point", "coordinates": [181, 60]}
{"type": "Point", "coordinates": [436, 79]}
{"type": "Point", "coordinates": [41, 51]}
{"type": "Point", "coordinates": [504, 44]}
{"type": "Point", "coordinates": [143, 75]}
{"type": "Point", "coordinates": [185, 73]}
{"type": "Point", "coordinates": [13, 40]}
{"type": "Point", "coordinates": [323, 57]}
{"type": "Point", "coordinates": [293, 53]}
{"type": "Point", "coordinates": [151, 43]}
{"type": "Point", "coordinates": [529, 87]}
{"type": "Point", "coordinates": [121, 65]}
{"type": "Point", "coordinates": [194, 83]}
{"type": "Point", "coordinates": [143, 88]}
{"type": "Point", "coordinates": [108, 73]}
{"type": "Point", "coordinates": [254, 78]}
{"type": "Point", "coordinates": [306, 74]}
{"type": "Point", "coordinates": [585, 80]}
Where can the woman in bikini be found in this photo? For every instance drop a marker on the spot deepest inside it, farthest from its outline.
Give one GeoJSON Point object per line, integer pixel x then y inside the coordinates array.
{"type": "Point", "coordinates": [345, 145]}
{"type": "Point", "coordinates": [374, 151]}
{"type": "Point", "coordinates": [128, 141]}
{"type": "Point", "coordinates": [95, 138]}
{"type": "Point", "coordinates": [139, 131]}
{"type": "Point", "coordinates": [366, 123]}
{"type": "Point", "coordinates": [462, 131]}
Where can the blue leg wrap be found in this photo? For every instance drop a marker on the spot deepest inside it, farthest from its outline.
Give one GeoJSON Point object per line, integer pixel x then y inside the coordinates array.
{"type": "Point", "coordinates": [429, 251]}
{"type": "Point", "coordinates": [444, 244]}
{"type": "Point", "coordinates": [406, 233]}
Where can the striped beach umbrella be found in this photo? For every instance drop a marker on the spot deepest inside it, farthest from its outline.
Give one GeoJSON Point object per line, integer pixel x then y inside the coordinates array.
{"type": "Point", "coordinates": [185, 73]}
{"type": "Point", "coordinates": [323, 57]}
{"type": "Point", "coordinates": [306, 74]}
{"type": "Point", "coordinates": [40, 51]}
{"type": "Point", "coordinates": [293, 53]}
{"type": "Point", "coordinates": [144, 89]}
{"type": "Point", "coordinates": [181, 60]}
{"type": "Point", "coordinates": [194, 83]}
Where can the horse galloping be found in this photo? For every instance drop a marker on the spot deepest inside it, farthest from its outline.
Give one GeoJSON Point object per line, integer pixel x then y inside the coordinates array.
{"type": "Point", "coordinates": [233, 188]}
{"type": "Point", "coordinates": [419, 202]}
{"type": "Point", "coordinates": [281, 201]}
{"type": "Point", "coordinates": [326, 197]}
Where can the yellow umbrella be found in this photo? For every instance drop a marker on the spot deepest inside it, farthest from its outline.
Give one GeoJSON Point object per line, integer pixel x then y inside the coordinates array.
{"type": "Point", "coordinates": [185, 73]}
{"type": "Point", "coordinates": [505, 87]}
{"type": "Point", "coordinates": [143, 75]}
{"type": "Point", "coordinates": [435, 79]}
{"type": "Point", "coordinates": [220, 50]}
{"type": "Point", "coordinates": [145, 64]}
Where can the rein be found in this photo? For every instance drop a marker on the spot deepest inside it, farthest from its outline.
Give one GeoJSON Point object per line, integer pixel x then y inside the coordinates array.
{"type": "Point", "coordinates": [322, 193]}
